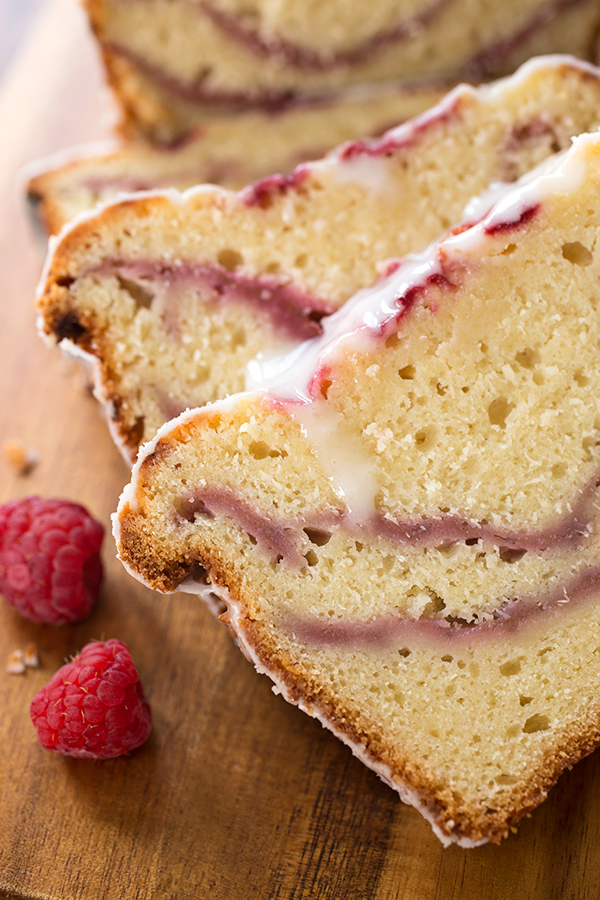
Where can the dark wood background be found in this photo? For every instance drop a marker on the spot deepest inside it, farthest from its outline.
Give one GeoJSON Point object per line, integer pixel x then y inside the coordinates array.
{"type": "Point", "coordinates": [236, 794]}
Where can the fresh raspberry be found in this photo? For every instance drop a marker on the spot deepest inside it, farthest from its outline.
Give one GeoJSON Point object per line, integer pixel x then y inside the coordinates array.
{"type": "Point", "coordinates": [50, 566]}
{"type": "Point", "coordinates": [94, 707]}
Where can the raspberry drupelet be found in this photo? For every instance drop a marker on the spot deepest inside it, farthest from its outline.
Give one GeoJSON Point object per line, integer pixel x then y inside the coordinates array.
{"type": "Point", "coordinates": [94, 706]}
{"type": "Point", "coordinates": [50, 566]}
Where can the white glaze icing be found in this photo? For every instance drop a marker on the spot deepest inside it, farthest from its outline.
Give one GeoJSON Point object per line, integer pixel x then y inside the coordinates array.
{"type": "Point", "coordinates": [405, 133]}
{"type": "Point", "coordinates": [370, 172]}
{"type": "Point", "coordinates": [91, 366]}
{"type": "Point", "coordinates": [342, 457]}
{"type": "Point", "coordinates": [288, 377]}
{"type": "Point", "coordinates": [214, 597]}
{"type": "Point", "coordinates": [495, 89]}
{"type": "Point", "coordinates": [357, 323]}
{"type": "Point", "coordinates": [355, 326]}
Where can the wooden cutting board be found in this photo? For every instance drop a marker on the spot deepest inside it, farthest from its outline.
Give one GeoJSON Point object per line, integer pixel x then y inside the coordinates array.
{"type": "Point", "coordinates": [236, 794]}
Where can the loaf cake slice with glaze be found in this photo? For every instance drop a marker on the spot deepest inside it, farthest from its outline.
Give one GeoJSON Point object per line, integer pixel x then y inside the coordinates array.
{"type": "Point", "coordinates": [173, 63]}
{"type": "Point", "coordinates": [233, 151]}
{"type": "Point", "coordinates": [169, 296]}
{"type": "Point", "coordinates": [405, 527]}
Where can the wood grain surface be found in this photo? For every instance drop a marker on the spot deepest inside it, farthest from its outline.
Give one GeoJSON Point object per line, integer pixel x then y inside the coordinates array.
{"type": "Point", "coordinates": [236, 794]}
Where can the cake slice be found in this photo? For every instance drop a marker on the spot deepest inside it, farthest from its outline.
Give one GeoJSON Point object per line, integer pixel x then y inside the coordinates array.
{"type": "Point", "coordinates": [169, 296]}
{"type": "Point", "coordinates": [173, 64]}
{"type": "Point", "coordinates": [232, 151]}
{"type": "Point", "coordinates": [405, 526]}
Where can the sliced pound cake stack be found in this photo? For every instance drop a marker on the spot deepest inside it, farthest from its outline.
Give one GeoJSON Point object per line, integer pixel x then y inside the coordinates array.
{"type": "Point", "coordinates": [169, 296]}
{"type": "Point", "coordinates": [226, 93]}
{"type": "Point", "coordinates": [405, 526]}
{"type": "Point", "coordinates": [231, 151]}
{"type": "Point", "coordinates": [173, 63]}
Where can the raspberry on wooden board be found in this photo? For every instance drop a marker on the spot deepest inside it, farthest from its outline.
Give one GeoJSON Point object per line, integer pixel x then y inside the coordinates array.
{"type": "Point", "coordinates": [94, 706]}
{"type": "Point", "coordinates": [50, 566]}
